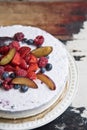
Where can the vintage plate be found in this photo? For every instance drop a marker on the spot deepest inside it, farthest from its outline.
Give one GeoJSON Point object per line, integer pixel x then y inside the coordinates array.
{"type": "Point", "coordinates": [56, 111]}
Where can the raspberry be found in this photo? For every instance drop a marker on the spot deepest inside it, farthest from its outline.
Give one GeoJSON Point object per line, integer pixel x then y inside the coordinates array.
{"type": "Point", "coordinates": [1, 70]}
{"type": "Point", "coordinates": [7, 80]}
{"type": "Point", "coordinates": [7, 84]}
{"type": "Point", "coordinates": [19, 36]}
{"type": "Point", "coordinates": [14, 44]}
{"type": "Point", "coordinates": [4, 50]}
{"type": "Point", "coordinates": [39, 40]}
{"type": "Point", "coordinates": [21, 72]}
{"type": "Point", "coordinates": [42, 62]}
{"type": "Point", "coordinates": [31, 75]}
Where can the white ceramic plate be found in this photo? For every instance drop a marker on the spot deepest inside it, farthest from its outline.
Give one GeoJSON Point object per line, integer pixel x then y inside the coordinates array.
{"type": "Point", "coordinates": [57, 111]}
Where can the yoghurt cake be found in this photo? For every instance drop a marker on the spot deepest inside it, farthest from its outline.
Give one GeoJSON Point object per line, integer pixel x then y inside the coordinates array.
{"type": "Point", "coordinates": [33, 71]}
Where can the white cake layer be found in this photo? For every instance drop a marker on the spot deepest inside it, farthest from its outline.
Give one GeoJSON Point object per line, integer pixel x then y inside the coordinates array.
{"type": "Point", "coordinates": [14, 102]}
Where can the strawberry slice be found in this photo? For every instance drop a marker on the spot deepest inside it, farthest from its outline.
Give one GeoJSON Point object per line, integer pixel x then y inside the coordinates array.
{"type": "Point", "coordinates": [33, 67]}
{"type": "Point", "coordinates": [31, 75]}
{"type": "Point", "coordinates": [24, 51]}
{"type": "Point", "coordinates": [32, 59]}
{"type": "Point", "coordinates": [23, 64]}
{"type": "Point", "coordinates": [17, 59]}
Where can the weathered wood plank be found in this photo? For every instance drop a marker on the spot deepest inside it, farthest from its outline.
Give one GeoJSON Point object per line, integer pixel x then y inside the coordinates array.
{"type": "Point", "coordinates": [58, 18]}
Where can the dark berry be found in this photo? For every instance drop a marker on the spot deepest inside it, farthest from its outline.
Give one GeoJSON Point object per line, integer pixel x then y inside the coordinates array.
{"type": "Point", "coordinates": [19, 36]}
{"type": "Point", "coordinates": [7, 86]}
{"type": "Point", "coordinates": [42, 70]}
{"type": "Point", "coordinates": [48, 67]}
{"type": "Point", "coordinates": [30, 42]}
{"type": "Point", "coordinates": [42, 62]}
{"type": "Point", "coordinates": [24, 40]}
{"type": "Point", "coordinates": [5, 75]}
{"type": "Point", "coordinates": [17, 86]}
{"type": "Point", "coordinates": [39, 40]}
{"type": "Point", "coordinates": [12, 75]}
{"type": "Point", "coordinates": [24, 88]}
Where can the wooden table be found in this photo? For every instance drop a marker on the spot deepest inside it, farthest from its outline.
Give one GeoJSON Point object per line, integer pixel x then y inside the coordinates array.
{"type": "Point", "coordinates": [63, 20]}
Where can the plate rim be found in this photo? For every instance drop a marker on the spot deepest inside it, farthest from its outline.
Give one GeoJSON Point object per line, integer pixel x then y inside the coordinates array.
{"type": "Point", "coordinates": [58, 110]}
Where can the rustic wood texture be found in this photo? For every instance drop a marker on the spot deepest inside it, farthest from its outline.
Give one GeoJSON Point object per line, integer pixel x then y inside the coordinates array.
{"type": "Point", "coordinates": [62, 19]}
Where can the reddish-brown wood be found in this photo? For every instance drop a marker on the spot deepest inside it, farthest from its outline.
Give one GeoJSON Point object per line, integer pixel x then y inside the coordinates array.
{"type": "Point", "coordinates": [61, 19]}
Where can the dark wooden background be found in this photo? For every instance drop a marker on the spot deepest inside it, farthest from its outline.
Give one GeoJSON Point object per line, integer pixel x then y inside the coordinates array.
{"type": "Point", "coordinates": [61, 19]}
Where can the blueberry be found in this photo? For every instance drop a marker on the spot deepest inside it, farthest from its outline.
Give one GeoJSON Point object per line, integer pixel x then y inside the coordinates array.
{"type": "Point", "coordinates": [12, 75]}
{"type": "Point", "coordinates": [17, 86]}
{"type": "Point", "coordinates": [24, 88]}
{"type": "Point", "coordinates": [24, 40]}
{"type": "Point", "coordinates": [43, 70]}
{"type": "Point", "coordinates": [48, 67]}
{"type": "Point", "coordinates": [30, 42]}
{"type": "Point", "coordinates": [5, 75]}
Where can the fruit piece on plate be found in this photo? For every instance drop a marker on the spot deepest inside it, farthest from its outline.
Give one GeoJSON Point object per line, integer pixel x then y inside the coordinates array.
{"type": "Point", "coordinates": [32, 59]}
{"type": "Point", "coordinates": [7, 58]}
{"type": "Point", "coordinates": [17, 58]}
{"type": "Point", "coordinates": [4, 50]}
{"type": "Point", "coordinates": [24, 50]}
{"type": "Point", "coordinates": [42, 51]}
{"type": "Point", "coordinates": [24, 81]}
{"type": "Point", "coordinates": [31, 75]}
{"type": "Point", "coordinates": [33, 67]}
{"type": "Point", "coordinates": [39, 40]}
{"type": "Point", "coordinates": [47, 80]}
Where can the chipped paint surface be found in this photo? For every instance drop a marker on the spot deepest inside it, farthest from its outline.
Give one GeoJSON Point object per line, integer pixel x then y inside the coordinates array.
{"type": "Point", "coordinates": [75, 117]}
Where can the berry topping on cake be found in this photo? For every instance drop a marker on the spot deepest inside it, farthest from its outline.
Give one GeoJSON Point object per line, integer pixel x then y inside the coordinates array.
{"type": "Point", "coordinates": [17, 86]}
{"type": "Point", "coordinates": [42, 62]}
{"type": "Point", "coordinates": [19, 65]}
{"type": "Point", "coordinates": [48, 67]}
{"type": "Point", "coordinates": [5, 75]}
{"type": "Point", "coordinates": [16, 59]}
{"type": "Point", "coordinates": [24, 51]}
{"type": "Point", "coordinates": [19, 36]}
{"type": "Point", "coordinates": [14, 44]}
{"type": "Point", "coordinates": [21, 72]}
{"type": "Point", "coordinates": [39, 40]}
{"type": "Point", "coordinates": [24, 88]}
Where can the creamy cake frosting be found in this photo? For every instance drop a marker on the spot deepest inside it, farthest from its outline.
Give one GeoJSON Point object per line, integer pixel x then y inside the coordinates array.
{"type": "Point", "coordinates": [13, 103]}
